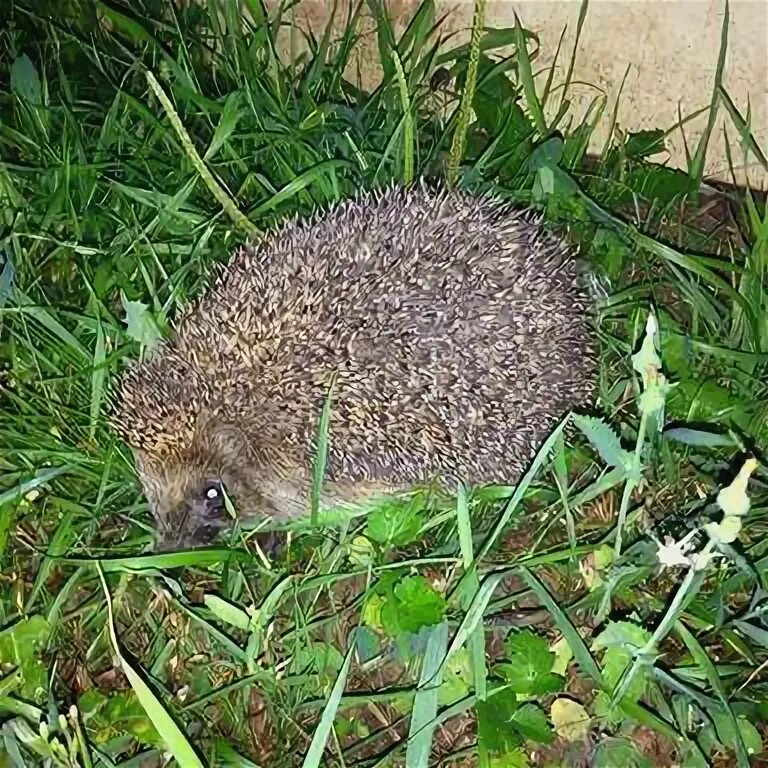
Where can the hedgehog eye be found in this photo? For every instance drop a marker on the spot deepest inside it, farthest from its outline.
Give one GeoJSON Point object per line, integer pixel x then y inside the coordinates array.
{"type": "Point", "coordinates": [213, 491]}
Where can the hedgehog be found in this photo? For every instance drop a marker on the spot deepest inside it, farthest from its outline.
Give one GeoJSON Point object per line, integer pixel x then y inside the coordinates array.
{"type": "Point", "coordinates": [449, 332]}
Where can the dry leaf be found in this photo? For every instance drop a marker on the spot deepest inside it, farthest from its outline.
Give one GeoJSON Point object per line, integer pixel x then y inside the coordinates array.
{"type": "Point", "coordinates": [563, 655]}
{"type": "Point", "coordinates": [570, 719]}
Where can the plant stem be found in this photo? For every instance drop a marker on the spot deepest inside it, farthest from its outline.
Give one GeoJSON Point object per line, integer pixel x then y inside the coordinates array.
{"type": "Point", "coordinates": [226, 202]}
{"type": "Point", "coordinates": [665, 626]}
{"type": "Point", "coordinates": [631, 483]}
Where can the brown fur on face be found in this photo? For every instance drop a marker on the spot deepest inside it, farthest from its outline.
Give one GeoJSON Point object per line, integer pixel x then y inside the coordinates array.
{"type": "Point", "coordinates": [175, 482]}
{"type": "Point", "coordinates": [261, 484]}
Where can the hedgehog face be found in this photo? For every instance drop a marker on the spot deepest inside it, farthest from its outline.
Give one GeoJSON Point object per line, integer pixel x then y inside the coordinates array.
{"type": "Point", "coordinates": [197, 521]}
{"type": "Point", "coordinates": [186, 487]}
{"type": "Point", "coordinates": [186, 498]}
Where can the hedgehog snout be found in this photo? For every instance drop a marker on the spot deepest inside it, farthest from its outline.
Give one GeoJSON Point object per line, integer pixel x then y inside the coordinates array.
{"type": "Point", "coordinates": [197, 520]}
{"type": "Point", "coordinates": [206, 515]}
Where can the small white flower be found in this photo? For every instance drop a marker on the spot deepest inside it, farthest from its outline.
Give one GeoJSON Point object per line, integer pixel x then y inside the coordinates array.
{"type": "Point", "coordinates": [673, 553]}
{"type": "Point", "coordinates": [733, 500]}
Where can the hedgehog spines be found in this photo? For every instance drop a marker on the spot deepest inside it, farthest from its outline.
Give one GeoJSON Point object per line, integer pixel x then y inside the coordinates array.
{"type": "Point", "coordinates": [459, 328]}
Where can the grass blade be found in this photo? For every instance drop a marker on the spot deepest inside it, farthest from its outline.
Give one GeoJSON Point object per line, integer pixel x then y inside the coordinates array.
{"type": "Point", "coordinates": [541, 457]}
{"type": "Point", "coordinates": [425, 703]}
{"type": "Point", "coordinates": [98, 378]}
{"type": "Point", "coordinates": [702, 659]}
{"type": "Point", "coordinates": [526, 77]}
{"type": "Point", "coordinates": [696, 171]}
{"type": "Point", "coordinates": [292, 188]}
{"type": "Point", "coordinates": [46, 319]}
{"type": "Point", "coordinates": [579, 648]}
{"type": "Point", "coordinates": [742, 127]}
{"type": "Point", "coordinates": [321, 458]}
{"type": "Point", "coordinates": [470, 587]}
{"type": "Point", "coordinates": [314, 756]}
{"type": "Point", "coordinates": [474, 614]}
{"type": "Point", "coordinates": [199, 558]}
{"type": "Point", "coordinates": [166, 726]}
{"type": "Point", "coordinates": [41, 477]}
{"type": "Point", "coordinates": [405, 102]}
{"type": "Point", "coordinates": [60, 541]}
{"type": "Point", "coordinates": [579, 26]}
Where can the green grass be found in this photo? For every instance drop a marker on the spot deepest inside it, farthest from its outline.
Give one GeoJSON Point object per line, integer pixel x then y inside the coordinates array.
{"type": "Point", "coordinates": [138, 148]}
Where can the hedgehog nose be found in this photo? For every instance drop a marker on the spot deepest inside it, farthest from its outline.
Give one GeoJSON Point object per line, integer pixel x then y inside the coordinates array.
{"type": "Point", "coordinates": [167, 540]}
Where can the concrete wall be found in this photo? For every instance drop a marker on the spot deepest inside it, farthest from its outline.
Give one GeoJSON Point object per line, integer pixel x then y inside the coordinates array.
{"type": "Point", "coordinates": [669, 46]}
